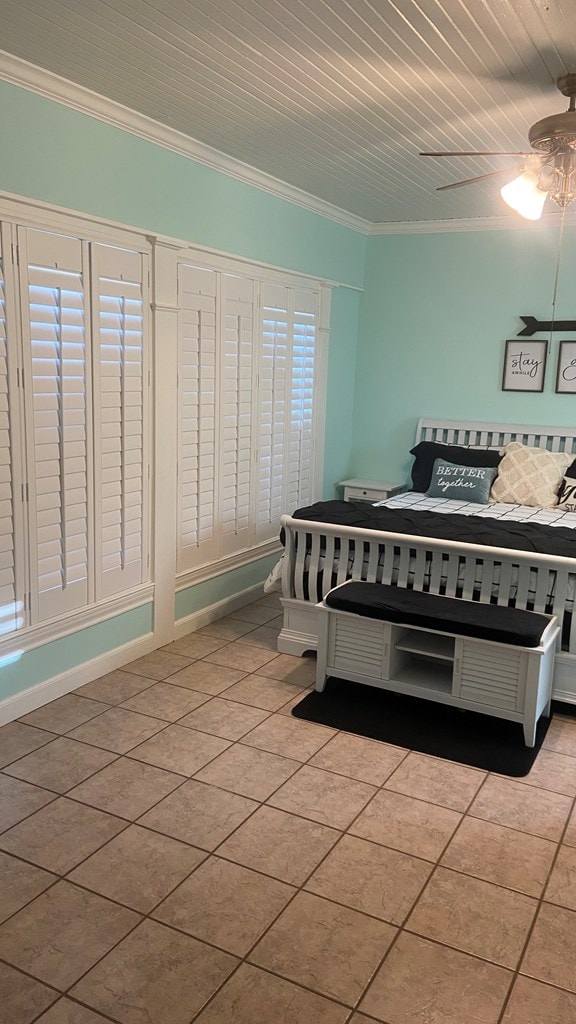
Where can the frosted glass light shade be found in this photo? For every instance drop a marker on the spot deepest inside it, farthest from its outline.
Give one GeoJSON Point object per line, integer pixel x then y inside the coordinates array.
{"type": "Point", "coordinates": [524, 196]}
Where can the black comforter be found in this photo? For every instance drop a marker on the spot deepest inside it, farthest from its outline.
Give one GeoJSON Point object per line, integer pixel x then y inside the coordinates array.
{"type": "Point", "coordinates": [557, 540]}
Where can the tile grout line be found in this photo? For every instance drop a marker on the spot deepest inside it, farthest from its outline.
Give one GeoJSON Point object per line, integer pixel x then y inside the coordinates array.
{"type": "Point", "coordinates": [98, 700]}
{"type": "Point", "coordinates": [128, 754]}
{"type": "Point", "coordinates": [515, 972]}
{"type": "Point", "coordinates": [111, 707]}
{"type": "Point", "coordinates": [541, 901]}
{"type": "Point", "coordinates": [128, 822]}
{"type": "Point", "coordinates": [62, 995]}
{"type": "Point", "coordinates": [148, 917]}
{"type": "Point", "coordinates": [299, 890]}
{"type": "Point", "coordinates": [143, 917]}
{"type": "Point", "coordinates": [262, 803]}
{"type": "Point", "coordinates": [513, 828]}
{"type": "Point", "coordinates": [402, 929]}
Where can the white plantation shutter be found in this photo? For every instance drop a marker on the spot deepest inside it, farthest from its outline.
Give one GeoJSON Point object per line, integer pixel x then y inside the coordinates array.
{"type": "Point", "coordinates": [74, 382]}
{"type": "Point", "coordinates": [56, 358]}
{"type": "Point", "coordinates": [273, 410]}
{"type": "Point", "coordinates": [248, 387]}
{"type": "Point", "coordinates": [236, 412]}
{"type": "Point", "coordinates": [11, 588]}
{"type": "Point", "coordinates": [197, 390]}
{"type": "Point", "coordinates": [121, 422]}
{"type": "Point", "coordinates": [289, 319]}
{"type": "Point", "coordinates": [303, 316]}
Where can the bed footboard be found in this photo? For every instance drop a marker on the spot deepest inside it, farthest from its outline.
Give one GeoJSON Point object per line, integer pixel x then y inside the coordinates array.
{"type": "Point", "coordinates": [318, 556]}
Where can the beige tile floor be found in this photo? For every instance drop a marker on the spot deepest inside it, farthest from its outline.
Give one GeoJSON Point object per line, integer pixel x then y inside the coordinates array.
{"type": "Point", "coordinates": [175, 847]}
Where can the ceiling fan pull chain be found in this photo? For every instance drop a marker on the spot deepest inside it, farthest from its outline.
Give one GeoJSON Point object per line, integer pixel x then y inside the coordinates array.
{"type": "Point", "coordinates": [556, 276]}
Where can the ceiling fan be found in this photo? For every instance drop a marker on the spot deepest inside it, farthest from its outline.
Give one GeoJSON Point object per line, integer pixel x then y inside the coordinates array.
{"type": "Point", "coordinates": [549, 170]}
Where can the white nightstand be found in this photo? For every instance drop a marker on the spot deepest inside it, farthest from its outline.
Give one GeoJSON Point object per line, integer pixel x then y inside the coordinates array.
{"type": "Point", "coordinates": [370, 490]}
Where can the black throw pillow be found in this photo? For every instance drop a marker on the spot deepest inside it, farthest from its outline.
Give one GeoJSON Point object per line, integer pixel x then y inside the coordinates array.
{"type": "Point", "coordinates": [571, 471]}
{"type": "Point", "coordinates": [426, 452]}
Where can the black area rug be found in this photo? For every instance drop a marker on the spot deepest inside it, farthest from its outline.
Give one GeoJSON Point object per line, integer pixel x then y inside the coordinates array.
{"type": "Point", "coordinates": [464, 736]}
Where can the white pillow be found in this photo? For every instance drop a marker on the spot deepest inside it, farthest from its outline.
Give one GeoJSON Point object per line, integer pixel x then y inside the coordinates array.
{"type": "Point", "coordinates": [530, 476]}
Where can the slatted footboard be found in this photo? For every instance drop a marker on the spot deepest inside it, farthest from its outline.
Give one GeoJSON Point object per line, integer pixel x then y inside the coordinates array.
{"type": "Point", "coordinates": [319, 556]}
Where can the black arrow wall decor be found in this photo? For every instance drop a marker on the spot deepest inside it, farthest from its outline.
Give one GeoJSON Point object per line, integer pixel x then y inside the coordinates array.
{"type": "Point", "coordinates": [534, 326]}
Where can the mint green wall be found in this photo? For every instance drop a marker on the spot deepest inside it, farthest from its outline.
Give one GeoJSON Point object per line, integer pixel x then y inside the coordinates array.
{"type": "Point", "coordinates": [340, 389]}
{"type": "Point", "coordinates": [20, 671]}
{"type": "Point", "coordinates": [54, 154]}
{"type": "Point", "coordinates": [435, 313]}
{"type": "Point", "coordinates": [211, 591]}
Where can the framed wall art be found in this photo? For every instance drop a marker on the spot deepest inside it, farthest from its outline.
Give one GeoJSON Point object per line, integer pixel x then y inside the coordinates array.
{"type": "Point", "coordinates": [524, 365]}
{"type": "Point", "coordinates": [566, 370]}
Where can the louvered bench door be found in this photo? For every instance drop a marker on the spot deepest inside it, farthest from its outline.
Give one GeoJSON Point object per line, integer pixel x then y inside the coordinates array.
{"type": "Point", "coordinates": [489, 674]}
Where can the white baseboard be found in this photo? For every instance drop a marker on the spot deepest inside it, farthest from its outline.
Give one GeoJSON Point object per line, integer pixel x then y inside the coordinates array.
{"type": "Point", "coordinates": [215, 611]}
{"type": "Point", "coordinates": [564, 685]}
{"type": "Point", "coordinates": [35, 696]}
{"type": "Point", "coordinates": [564, 696]}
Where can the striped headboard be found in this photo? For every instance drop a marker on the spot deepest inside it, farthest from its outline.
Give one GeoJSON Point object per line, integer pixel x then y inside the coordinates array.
{"type": "Point", "coordinates": [495, 435]}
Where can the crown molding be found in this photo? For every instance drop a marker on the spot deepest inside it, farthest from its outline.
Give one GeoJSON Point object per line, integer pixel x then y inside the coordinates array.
{"type": "Point", "coordinates": [45, 83]}
{"type": "Point", "coordinates": [504, 223]}
{"type": "Point", "coordinates": [25, 75]}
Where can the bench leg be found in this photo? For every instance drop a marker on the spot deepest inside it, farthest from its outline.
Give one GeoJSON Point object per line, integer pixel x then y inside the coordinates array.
{"type": "Point", "coordinates": [530, 733]}
{"type": "Point", "coordinates": [321, 678]}
{"type": "Point", "coordinates": [322, 656]}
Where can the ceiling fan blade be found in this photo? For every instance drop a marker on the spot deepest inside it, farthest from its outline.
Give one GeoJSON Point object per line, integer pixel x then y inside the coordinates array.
{"type": "Point", "coordinates": [481, 177]}
{"type": "Point", "coordinates": [515, 169]}
{"type": "Point", "coordinates": [479, 154]}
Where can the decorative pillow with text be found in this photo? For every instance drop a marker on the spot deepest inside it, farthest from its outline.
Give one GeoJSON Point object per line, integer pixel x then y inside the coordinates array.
{"type": "Point", "coordinates": [463, 483]}
{"type": "Point", "coordinates": [567, 496]}
{"type": "Point", "coordinates": [426, 452]}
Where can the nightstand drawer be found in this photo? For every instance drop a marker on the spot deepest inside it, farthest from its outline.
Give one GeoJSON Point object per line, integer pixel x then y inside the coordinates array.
{"type": "Point", "coordinates": [357, 489]}
{"type": "Point", "coordinates": [369, 494]}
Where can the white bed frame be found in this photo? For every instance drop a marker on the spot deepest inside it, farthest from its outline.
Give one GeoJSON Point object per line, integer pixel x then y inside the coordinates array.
{"type": "Point", "coordinates": [468, 571]}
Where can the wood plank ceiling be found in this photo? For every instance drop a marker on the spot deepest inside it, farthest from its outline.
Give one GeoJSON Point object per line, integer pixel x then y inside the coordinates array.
{"type": "Point", "coordinates": [335, 97]}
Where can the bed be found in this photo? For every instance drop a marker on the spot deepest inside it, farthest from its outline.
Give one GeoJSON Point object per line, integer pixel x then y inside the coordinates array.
{"type": "Point", "coordinates": [319, 554]}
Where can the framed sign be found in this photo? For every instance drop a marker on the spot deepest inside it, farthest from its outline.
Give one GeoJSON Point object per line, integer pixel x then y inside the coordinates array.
{"type": "Point", "coordinates": [524, 365]}
{"type": "Point", "coordinates": [566, 372]}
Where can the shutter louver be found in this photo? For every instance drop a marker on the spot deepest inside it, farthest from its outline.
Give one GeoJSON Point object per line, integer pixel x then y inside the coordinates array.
{"type": "Point", "coordinates": [286, 404]}
{"type": "Point", "coordinates": [197, 378]}
{"type": "Point", "coordinates": [236, 412]}
{"type": "Point", "coordinates": [273, 410]}
{"type": "Point", "coordinates": [120, 398]}
{"type": "Point", "coordinates": [303, 329]}
{"type": "Point", "coordinates": [11, 613]}
{"type": "Point", "coordinates": [56, 343]}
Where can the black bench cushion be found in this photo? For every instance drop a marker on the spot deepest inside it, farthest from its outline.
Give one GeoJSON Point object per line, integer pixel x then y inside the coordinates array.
{"type": "Point", "coordinates": [502, 625]}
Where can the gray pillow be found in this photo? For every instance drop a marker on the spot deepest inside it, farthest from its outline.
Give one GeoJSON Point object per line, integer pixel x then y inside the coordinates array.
{"type": "Point", "coordinates": [464, 483]}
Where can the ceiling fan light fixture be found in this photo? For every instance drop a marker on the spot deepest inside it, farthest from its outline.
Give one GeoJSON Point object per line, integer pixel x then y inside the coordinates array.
{"type": "Point", "coordinates": [562, 185]}
{"type": "Point", "coordinates": [523, 195]}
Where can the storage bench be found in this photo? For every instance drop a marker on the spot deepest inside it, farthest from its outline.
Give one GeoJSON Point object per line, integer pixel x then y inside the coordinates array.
{"type": "Point", "coordinates": [483, 657]}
